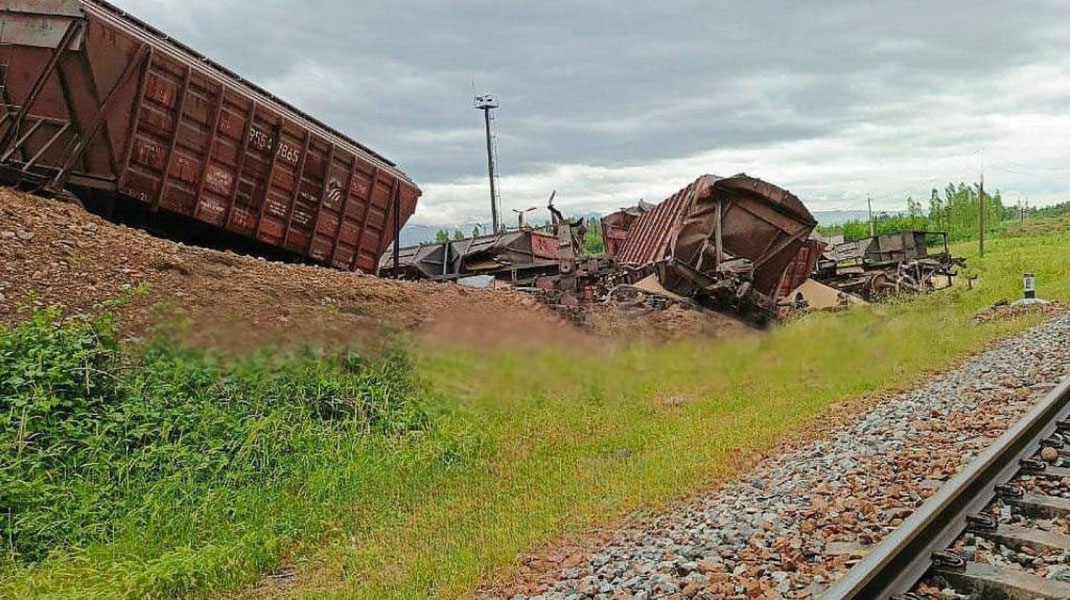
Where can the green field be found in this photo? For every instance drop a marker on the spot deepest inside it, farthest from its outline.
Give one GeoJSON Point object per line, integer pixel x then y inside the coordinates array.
{"type": "Point", "coordinates": [498, 453]}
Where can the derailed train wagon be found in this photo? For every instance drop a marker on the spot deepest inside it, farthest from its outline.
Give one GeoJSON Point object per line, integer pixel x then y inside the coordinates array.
{"type": "Point", "coordinates": [732, 243]}
{"type": "Point", "coordinates": [905, 262]}
{"type": "Point", "coordinates": [518, 257]}
{"type": "Point", "coordinates": [97, 100]}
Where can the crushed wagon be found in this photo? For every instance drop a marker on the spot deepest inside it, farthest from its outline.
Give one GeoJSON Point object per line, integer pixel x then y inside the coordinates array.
{"type": "Point", "coordinates": [517, 257]}
{"type": "Point", "coordinates": [734, 244]}
{"type": "Point", "coordinates": [547, 259]}
{"type": "Point", "coordinates": [906, 262]}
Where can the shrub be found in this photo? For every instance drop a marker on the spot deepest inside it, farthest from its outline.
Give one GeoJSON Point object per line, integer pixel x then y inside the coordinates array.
{"type": "Point", "coordinates": [91, 427]}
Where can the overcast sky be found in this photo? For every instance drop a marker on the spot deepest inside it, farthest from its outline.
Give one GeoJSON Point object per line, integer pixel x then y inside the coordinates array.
{"type": "Point", "coordinates": [611, 101]}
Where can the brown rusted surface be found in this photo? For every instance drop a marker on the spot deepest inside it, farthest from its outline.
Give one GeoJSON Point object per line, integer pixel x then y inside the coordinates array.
{"type": "Point", "coordinates": [801, 268]}
{"type": "Point", "coordinates": [615, 227]}
{"type": "Point", "coordinates": [759, 222]}
{"type": "Point", "coordinates": [649, 237]}
{"type": "Point", "coordinates": [891, 248]}
{"type": "Point", "coordinates": [98, 100]}
{"type": "Point", "coordinates": [905, 262]}
{"type": "Point", "coordinates": [515, 256]}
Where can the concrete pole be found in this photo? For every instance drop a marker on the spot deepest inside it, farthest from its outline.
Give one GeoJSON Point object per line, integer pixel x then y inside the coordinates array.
{"type": "Point", "coordinates": [495, 220]}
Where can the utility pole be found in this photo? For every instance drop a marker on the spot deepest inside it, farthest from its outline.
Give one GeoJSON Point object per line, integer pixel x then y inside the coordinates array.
{"type": "Point", "coordinates": [872, 226]}
{"type": "Point", "coordinates": [981, 216]}
{"type": "Point", "coordinates": [487, 103]}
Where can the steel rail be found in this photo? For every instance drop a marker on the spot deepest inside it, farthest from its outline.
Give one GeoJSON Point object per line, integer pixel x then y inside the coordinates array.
{"type": "Point", "coordinates": [902, 560]}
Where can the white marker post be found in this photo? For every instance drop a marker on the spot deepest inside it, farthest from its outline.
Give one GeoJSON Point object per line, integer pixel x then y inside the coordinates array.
{"type": "Point", "coordinates": [1030, 286]}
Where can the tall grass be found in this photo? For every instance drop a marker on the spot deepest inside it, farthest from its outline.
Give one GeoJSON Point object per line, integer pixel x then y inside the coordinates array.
{"type": "Point", "coordinates": [505, 450]}
{"type": "Point", "coordinates": [171, 457]}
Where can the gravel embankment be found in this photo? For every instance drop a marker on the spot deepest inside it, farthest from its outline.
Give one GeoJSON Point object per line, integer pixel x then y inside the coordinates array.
{"type": "Point", "coordinates": [801, 520]}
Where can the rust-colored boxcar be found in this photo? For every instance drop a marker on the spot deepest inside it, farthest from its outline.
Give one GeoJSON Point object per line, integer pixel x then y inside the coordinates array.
{"type": "Point", "coordinates": [94, 98]}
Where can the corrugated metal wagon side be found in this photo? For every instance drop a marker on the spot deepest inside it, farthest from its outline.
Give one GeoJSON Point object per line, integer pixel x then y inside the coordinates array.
{"type": "Point", "coordinates": [97, 99]}
{"type": "Point", "coordinates": [718, 218]}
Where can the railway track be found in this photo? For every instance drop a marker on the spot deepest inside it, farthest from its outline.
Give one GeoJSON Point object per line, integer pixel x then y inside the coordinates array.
{"type": "Point", "coordinates": [999, 530]}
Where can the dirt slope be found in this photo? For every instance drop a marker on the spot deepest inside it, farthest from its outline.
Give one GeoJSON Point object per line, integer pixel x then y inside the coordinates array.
{"type": "Point", "coordinates": [53, 253]}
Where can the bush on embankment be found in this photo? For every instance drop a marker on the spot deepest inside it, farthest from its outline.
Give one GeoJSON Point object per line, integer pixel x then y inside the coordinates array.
{"type": "Point", "coordinates": [100, 437]}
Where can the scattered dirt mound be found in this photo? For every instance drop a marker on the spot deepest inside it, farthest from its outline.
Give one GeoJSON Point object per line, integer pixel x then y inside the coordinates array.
{"type": "Point", "coordinates": [1005, 309]}
{"type": "Point", "coordinates": [57, 254]}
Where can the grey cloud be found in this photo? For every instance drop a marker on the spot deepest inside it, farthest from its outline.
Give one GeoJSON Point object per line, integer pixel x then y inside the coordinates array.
{"type": "Point", "coordinates": [619, 84]}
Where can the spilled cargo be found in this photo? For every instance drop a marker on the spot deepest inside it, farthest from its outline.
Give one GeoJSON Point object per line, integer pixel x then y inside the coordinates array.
{"type": "Point", "coordinates": [100, 102]}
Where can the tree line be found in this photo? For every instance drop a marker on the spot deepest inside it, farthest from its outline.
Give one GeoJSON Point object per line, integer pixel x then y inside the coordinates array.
{"type": "Point", "coordinates": [444, 235]}
{"type": "Point", "coordinates": [955, 211]}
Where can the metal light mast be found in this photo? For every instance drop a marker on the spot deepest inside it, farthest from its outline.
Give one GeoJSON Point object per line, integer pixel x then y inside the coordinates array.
{"type": "Point", "coordinates": [487, 103]}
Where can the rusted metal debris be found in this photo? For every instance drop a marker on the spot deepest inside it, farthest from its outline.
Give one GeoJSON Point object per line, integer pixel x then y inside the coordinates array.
{"type": "Point", "coordinates": [132, 119]}
{"type": "Point", "coordinates": [735, 244]}
{"type": "Point", "coordinates": [548, 260]}
{"type": "Point", "coordinates": [727, 243]}
{"type": "Point", "coordinates": [907, 262]}
{"type": "Point", "coordinates": [518, 257]}
{"type": "Point", "coordinates": [615, 227]}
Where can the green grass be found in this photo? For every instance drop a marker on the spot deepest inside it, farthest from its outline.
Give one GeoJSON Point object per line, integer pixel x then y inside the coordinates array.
{"type": "Point", "coordinates": [521, 448]}
{"type": "Point", "coordinates": [1037, 226]}
{"type": "Point", "coordinates": [162, 468]}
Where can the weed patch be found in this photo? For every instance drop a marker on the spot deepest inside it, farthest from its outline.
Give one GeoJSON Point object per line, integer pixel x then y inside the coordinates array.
{"type": "Point", "coordinates": [96, 437]}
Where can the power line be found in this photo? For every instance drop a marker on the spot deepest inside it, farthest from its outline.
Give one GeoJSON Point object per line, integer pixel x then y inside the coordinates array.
{"type": "Point", "coordinates": [1050, 169]}
{"type": "Point", "coordinates": [1032, 176]}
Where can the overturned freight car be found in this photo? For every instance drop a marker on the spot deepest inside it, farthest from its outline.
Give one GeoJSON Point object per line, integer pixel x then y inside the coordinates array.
{"type": "Point", "coordinates": [905, 262]}
{"type": "Point", "coordinates": [733, 244]}
{"type": "Point", "coordinates": [99, 101]}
